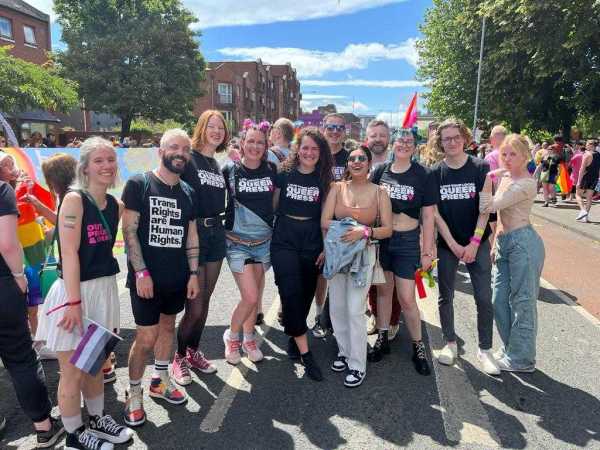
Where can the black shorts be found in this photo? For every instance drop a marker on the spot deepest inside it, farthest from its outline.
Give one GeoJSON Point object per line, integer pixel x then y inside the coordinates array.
{"type": "Point", "coordinates": [588, 182]}
{"type": "Point", "coordinates": [147, 311]}
{"type": "Point", "coordinates": [212, 243]}
{"type": "Point", "coordinates": [401, 253]}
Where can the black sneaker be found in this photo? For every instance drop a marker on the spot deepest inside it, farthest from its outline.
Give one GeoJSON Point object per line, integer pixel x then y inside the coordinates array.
{"type": "Point", "coordinates": [419, 358]}
{"type": "Point", "coordinates": [311, 369]}
{"type": "Point", "coordinates": [354, 378]}
{"type": "Point", "coordinates": [106, 428]}
{"type": "Point", "coordinates": [340, 364]}
{"type": "Point", "coordinates": [318, 331]}
{"type": "Point", "coordinates": [292, 349]}
{"type": "Point", "coordinates": [260, 319]}
{"type": "Point", "coordinates": [84, 439]}
{"type": "Point", "coordinates": [48, 438]}
{"type": "Point", "coordinates": [381, 347]}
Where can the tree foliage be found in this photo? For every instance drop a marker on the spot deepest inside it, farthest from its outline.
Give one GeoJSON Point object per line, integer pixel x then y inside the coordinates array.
{"type": "Point", "coordinates": [132, 58]}
{"type": "Point", "coordinates": [25, 86]}
{"type": "Point", "coordinates": [541, 65]}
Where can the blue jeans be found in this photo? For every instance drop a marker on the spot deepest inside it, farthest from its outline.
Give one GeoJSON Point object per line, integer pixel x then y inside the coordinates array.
{"type": "Point", "coordinates": [516, 284]}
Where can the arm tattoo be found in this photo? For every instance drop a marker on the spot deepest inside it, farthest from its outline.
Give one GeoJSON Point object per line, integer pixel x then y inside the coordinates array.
{"type": "Point", "coordinates": [70, 221]}
{"type": "Point", "coordinates": [132, 244]}
{"type": "Point", "coordinates": [192, 247]}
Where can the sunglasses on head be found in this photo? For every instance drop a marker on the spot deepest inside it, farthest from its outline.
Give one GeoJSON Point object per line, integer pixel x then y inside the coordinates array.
{"type": "Point", "coordinates": [334, 127]}
{"type": "Point", "coordinates": [357, 158]}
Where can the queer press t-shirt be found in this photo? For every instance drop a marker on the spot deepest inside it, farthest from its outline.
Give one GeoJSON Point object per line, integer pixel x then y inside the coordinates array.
{"type": "Point", "coordinates": [8, 207]}
{"type": "Point", "coordinates": [254, 189]}
{"type": "Point", "coordinates": [300, 194]}
{"type": "Point", "coordinates": [204, 175]}
{"type": "Point", "coordinates": [340, 160]}
{"type": "Point", "coordinates": [409, 191]}
{"type": "Point", "coordinates": [459, 198]}
{"type": "Point", "coordinates": [165, 214]}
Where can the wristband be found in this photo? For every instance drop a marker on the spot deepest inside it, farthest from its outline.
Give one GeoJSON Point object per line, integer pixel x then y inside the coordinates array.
{"type": "Point", "coordinates": [142, 274]}
{"type": "Point", "coordinates": [18, 274]}
{"type": "Point", "coordinates": [475, 240]}
{"type": "Point", "coordinates": [64, 305]}
{"type": "Point", "coordinates": [366, 232]}
{"type": "Point", "coordinates": [479, 232]}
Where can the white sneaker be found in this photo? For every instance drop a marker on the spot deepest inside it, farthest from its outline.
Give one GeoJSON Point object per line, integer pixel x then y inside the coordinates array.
{"type": "Point", "coordinates": [488, 363]}
{"type": "Point", "coordinates": [252, 350]}
{"type": "Point", "coordinates": [393, 331]}
{"type": "Point", "coordinates": [448, 354]}
{"type": "Point", "coordinates": [506, 366]}
{"type": "Point", "coordinates": [499, 354]}
{"type": "Point", "coordinates": [582, 214]}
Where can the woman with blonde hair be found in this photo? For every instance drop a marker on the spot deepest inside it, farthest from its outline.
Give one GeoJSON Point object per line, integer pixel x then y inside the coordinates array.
{"type": "Point", "coordinates": [519, 256]}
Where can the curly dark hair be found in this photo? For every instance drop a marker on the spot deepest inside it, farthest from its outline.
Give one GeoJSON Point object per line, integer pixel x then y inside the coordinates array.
{"type": "Point", "coordinates": [325, 163]}
{"type": "Point", "coordinates": [367, 153]}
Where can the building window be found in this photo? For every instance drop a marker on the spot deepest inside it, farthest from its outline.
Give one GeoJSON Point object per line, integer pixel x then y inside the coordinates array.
{"type": "Point", "coordinates": [5, 28]}
{"type": "Point", "coordinates": [29, 33]}
{"type": "Point", "coordinates": [225, 93]}
{"type": "Point", "coordinates": [227, 116]}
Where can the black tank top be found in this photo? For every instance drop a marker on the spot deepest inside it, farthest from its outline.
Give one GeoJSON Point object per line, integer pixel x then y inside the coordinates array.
{"type": "Point", "coordinates": [594, 167]}
{"type": "Point", "coordinates": [95, 246]}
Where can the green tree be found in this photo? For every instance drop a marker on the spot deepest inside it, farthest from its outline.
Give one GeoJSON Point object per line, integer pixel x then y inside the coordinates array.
{"type": "Point", "coordinates": [24, 86]}
{"type": "Point", "coordinates": [132, 58]}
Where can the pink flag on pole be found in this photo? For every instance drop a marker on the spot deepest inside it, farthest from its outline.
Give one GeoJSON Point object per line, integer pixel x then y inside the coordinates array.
{"type": "Point", "coordinates": [410, 117]}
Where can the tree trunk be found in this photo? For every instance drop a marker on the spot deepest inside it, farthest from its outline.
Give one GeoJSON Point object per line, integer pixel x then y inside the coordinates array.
{"type": "Point", "coordinates": [126, 125]}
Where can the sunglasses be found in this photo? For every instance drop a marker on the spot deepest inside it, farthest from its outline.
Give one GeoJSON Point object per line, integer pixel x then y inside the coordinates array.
{"type": "Point", "coordinates": [334, 127]}
{"type": "Point", "coordinates": [357, 158]}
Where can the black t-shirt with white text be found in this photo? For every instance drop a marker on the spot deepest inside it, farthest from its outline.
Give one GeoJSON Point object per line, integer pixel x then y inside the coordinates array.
{"type": "Point", "coordinates": [301, 194]}
{"type": "Point", "coordinates": [340, 161]}
{"type": "Point", "coordinates": [459, 198]}
{"type": "Point", "coordinates": [165, 213]}
{"type": "Point", "coordinates": [204, 175]}
{"type": "Point", "coordinates": [254, 188]}
{"type": "Point", "coordinates": [409, 191]}
{"type": "Point", "coordinates": [8, 207]}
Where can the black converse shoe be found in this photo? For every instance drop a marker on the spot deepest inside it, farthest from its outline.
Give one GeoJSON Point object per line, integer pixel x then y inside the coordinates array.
{"type": "Point", "coordinates": [340, 364]}
{"type": "Point", "coordinates": [354, 378]}
{"type": "Point", "coordinates": [381, 347]}
{"type": "Point", "coordinates": [83, 439]}
{"type": "Point", "coordinates": [311, 369]}
{"type": "Point", "coordinates": [46, 439]}
{"type": "Point", "coordinates": [292, 349]}
{"type": "Point", "coordinates": [106, 428]}
{"type": "Point", "coordinates": [419, 358]}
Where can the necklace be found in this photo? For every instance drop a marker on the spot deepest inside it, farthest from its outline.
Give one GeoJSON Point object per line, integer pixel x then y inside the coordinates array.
{"type": "Point", "coordinates": [156, 174]}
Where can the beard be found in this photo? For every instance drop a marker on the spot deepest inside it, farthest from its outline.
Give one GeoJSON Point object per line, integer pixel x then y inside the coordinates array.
{"type": "Point", "coordinates": [168, 163]}
{"type": "Point", "coordinates": [378, 147]}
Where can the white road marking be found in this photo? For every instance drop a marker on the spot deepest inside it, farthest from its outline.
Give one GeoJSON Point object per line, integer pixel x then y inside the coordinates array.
{"type": "Point", "coordinates": [565, 299]}
{"type": "Point", "coordinates": [236, 382]}
{"type": "Point", "coordinates": [465, 418]}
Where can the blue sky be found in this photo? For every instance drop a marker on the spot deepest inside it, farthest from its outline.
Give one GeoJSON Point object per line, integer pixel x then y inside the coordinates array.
{"type": "Point", "coordinates": [358, 54]}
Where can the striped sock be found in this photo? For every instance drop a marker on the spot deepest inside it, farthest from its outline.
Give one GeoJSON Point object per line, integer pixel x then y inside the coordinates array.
{"type": "Point", "coordinates": [161, 368]}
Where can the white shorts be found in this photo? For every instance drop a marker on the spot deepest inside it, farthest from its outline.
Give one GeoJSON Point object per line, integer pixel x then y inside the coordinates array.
{"type": "Point", "coordinates": [99, 302]}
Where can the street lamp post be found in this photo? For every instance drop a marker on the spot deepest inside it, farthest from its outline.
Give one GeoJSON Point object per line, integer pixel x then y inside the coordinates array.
{"type": "Point", "coordinates": [479, 72]}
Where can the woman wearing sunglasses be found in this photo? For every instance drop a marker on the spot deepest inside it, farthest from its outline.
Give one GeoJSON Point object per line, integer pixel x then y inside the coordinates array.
{"type": "Point", "coordinates": [357, 211]}
{"type": "Point", "coordinates": [413, 194]}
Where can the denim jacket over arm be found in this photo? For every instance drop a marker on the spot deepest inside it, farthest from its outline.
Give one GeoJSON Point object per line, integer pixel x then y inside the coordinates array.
{"type": "Point", "coordinates": [345, 257]}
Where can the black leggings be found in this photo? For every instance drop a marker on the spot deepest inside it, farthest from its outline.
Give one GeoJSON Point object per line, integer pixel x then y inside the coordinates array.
{"type": "Point", "coordinates": [295, 246]}
{"type": "Point", "coordinates": [196, 310]}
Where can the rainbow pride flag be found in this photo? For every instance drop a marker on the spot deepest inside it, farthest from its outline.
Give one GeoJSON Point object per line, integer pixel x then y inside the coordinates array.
{"type": "Point", "coordinates": [563, 182]}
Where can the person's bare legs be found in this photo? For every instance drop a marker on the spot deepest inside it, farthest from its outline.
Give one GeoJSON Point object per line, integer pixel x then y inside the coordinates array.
{"type": "Point", "coordinates": [145, 339]}
{"type": "Point", "coordinates": [384, 301]}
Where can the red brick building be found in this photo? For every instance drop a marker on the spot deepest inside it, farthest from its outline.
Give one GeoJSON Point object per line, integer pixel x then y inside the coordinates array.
{"type": "Point", "coordinates": [241, 89]}
{"type": "Point", "coordinates": [26, 29]}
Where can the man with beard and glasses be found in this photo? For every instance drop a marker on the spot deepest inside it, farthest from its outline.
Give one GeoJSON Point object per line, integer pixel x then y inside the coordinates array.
{"type": "Point", "coordinates": [159, 228]}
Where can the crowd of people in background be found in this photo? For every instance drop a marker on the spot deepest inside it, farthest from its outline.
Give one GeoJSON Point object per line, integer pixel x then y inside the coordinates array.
{"type": "Point", "coordinates": [345, 223]}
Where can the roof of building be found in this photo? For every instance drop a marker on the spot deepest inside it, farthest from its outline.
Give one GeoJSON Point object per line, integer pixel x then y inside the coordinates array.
{"type": "Point", "coordinates": [25, 8]}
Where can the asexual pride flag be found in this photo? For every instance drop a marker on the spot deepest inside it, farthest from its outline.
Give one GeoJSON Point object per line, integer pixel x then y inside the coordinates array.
{"type": "Point", "coordinates": [94, 348]}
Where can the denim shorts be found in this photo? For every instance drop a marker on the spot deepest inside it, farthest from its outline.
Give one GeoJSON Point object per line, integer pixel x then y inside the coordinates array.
{"type": "Point", "coordinates": [239, 254]}
{"type": "Point", "coordinates": [212, 243]}
{"type": "Point", "coordinates": [401, 253]}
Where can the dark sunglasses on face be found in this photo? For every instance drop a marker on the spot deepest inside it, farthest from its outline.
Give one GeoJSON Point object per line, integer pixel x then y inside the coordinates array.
{"type": "Point", "coordinates": [357, 158]}
{"type": "Point", "coordinates": [334, 127]}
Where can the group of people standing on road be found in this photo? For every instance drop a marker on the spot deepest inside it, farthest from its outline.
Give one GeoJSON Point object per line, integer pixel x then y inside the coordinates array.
{"type": "Point", "coordinates": [331, 221]}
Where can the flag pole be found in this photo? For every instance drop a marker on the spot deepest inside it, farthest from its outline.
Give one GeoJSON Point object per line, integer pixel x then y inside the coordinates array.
{"type": "Point", "coordinates": [479, 73]}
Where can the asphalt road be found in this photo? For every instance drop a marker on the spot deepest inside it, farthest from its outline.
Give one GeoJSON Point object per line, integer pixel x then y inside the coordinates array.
{"type": "Point", "coordinates": [271, 405]}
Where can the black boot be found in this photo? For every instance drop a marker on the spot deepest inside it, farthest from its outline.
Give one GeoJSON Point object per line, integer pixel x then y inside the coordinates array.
{"type": "Point", "coordinates": [292, 350]}
{"type": "Point", "coordinates": [381, 347]}
{"type": "Point", "coordinates": [311, 369]}
{"type": "Point", "coordinates": [419, 358]}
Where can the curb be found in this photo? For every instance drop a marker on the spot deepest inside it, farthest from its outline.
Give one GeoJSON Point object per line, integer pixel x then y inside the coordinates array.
{"type": "Point", "coordinates": [568, 227]}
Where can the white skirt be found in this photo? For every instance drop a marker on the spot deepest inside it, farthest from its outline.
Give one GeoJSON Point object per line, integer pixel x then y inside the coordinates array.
{"type": "Point", "coordinates": [99, 302]}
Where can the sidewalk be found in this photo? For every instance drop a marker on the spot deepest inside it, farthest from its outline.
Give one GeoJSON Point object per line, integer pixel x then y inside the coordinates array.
{"type": "Point", "coordinates": [564, 215]}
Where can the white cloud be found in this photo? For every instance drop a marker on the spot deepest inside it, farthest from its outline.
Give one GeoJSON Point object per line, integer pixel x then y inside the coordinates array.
{"type": "Point", "coordinates": [393, 118]}
{"type": "Point", "coordinates": [341, 102]}
{"type": "Point", "coordinates": [322, 96]}
{"type": "Point", "coordinates": [228, 12]}
{"type": "Point", "coordinates": [363, 83]}
{"type": "Point", "coordinates": [310, 63]}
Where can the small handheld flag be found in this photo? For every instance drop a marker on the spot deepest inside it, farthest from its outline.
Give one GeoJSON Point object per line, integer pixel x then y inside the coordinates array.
{"type": "Point", "coordinates": [95, 347]}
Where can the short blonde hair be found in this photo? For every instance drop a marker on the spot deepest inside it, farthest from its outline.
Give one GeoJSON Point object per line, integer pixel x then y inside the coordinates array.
{"type": "Point", "coordinates": [499, 129]}
{"type": "Point", "coordinates": [516, 142]}
{"type": "Point", "coordinates": [89, 146]}
{"type": "Point", "coordinates": [173, 133]}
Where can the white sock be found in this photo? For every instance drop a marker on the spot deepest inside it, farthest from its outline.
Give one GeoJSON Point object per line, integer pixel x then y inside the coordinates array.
{"type": "Point", "coordinates": [95, 406]}
{"type": "Point", "coordinates": [72, 423]}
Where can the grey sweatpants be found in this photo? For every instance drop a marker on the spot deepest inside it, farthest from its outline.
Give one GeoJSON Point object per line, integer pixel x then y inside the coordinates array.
{"type": "Point", "coordinates": [480, 272]}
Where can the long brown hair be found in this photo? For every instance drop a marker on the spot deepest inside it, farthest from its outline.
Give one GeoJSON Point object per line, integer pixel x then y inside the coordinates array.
{"type": "Point", "coordinates": [324, 165]}
{"type": "Point", "coordinates": [199, 137]}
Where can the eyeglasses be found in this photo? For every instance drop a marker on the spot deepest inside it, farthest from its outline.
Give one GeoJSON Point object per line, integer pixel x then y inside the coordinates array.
{"type": "Point", "coordinates": [449, 139]}
{"type": "Point", "coordinates": [357, 158]}
{"type": "Point", "coordinates": [334, 127]}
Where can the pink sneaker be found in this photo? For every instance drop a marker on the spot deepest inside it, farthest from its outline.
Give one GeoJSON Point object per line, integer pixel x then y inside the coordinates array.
{"type": "Point", "coordinates": [180, 370]}
{"type": "Point", "coordinates": [232, 349]}
{"type": "Point", "coordinates": [253, 352]}
{"type": "Point", "coordinates": [197, 360]}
